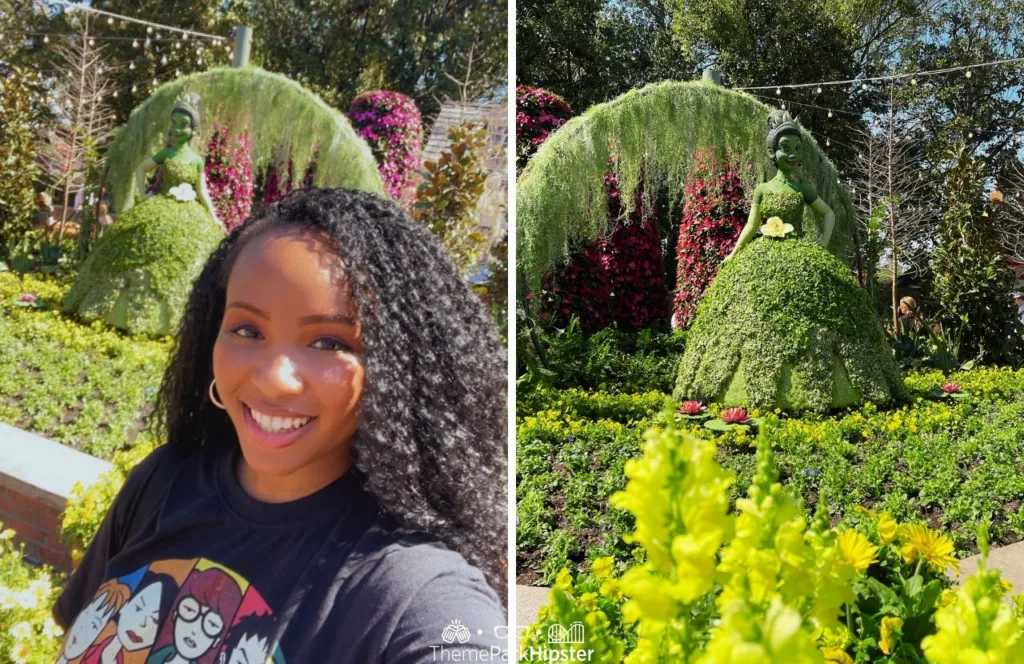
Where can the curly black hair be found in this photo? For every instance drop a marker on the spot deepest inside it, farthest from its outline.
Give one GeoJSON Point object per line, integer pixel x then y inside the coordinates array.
{"type": "Point", "coordinates": [432, 442]}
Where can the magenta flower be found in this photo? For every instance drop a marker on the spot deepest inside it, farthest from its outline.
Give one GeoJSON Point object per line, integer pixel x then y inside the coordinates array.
{"type": "Point", "coordinates": [951, 388]}
{"type": "Point", "coordinates": [735, 416]}
{"type": "Point", "coordinates": [692, 408]}
{"type": "Point", "coordinates": [27, 297]}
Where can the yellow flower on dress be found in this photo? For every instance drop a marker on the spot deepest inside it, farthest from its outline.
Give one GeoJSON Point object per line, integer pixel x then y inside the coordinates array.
{"type": "Point", "coordinates": [603, 567]}
{"type": "Point", "coordinates": [858, 552]}
{"type": "Point", "coordinates": [889, 625]}
{"type": "Point", "coordinates": [934, 547]}
{"type": "Point", "coordinates": [887, 528]}
{"type": "Point", "coordinates": [837, 655]}
{"type": "Point", "coordinates": [775, 227]}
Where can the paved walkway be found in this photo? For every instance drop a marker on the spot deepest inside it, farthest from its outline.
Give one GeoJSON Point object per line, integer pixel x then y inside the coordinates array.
{"type": "Point", "coordinates": [1009, 560]}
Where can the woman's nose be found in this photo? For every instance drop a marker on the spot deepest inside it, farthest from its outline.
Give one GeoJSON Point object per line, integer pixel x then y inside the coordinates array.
{"type": "Point", "coordinates": [282, 375]}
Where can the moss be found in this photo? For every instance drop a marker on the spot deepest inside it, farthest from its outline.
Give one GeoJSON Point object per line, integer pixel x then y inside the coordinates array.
{"type": "Point", "coordinates": [285, 121]}
{"type": "Point", "coordinates": [785, 325]}
{"type": "Point", "coordinates": [140, 273]}
{"type": "Point", "coordinates": [560, 199]}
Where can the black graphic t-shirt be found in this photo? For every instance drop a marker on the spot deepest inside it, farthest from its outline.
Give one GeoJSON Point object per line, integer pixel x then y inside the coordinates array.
{"type": "Point", "coordinates": [214, 576]}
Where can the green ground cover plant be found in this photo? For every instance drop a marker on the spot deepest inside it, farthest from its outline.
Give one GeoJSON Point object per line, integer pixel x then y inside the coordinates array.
{"type": "Point", "coordinates": [944, 462]}
{"type": "Point", "coordinates": [85, 386]}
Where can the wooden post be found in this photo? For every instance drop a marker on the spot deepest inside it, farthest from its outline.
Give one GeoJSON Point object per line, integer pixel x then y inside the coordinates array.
{"type": "Point", "coordinates": [243, 42]}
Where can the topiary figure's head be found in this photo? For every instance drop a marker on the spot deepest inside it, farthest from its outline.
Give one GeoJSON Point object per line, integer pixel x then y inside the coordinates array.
{"type": "Point", "coordinates": [784, 141]}
{"type": "Point", "coordinates": [185, 119]}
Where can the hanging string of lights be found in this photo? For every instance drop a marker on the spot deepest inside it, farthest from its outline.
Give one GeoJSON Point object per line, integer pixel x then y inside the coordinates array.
{"type": "Point", "coordinates": [150, 26]}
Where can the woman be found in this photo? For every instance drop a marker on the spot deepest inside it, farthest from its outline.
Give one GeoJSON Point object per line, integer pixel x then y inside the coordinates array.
{"type": "Point", "coordinates": [784, 324]}
{"type": "Point", "coordinates": [140, 271]}
{"type": "Point", "coordinates": [335, 421]}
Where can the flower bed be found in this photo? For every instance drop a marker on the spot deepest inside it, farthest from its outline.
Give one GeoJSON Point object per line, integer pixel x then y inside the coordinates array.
{"type": "Point", "coordinates": [944, 462]}
{"type": "Point", "coordinates": [85, 386]}
{"type": "Point", "coordinates": [28, 635]}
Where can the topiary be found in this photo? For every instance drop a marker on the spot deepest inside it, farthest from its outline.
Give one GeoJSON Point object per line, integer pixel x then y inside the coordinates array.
{"type": "Point", "coordinates": [785, 325]}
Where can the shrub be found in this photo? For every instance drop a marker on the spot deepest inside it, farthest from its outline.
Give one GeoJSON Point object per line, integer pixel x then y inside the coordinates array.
{"type": "Point", "coordinates": [714, 212]}
{"type": "Point", "coordinates": [391, 123]}
{"type": "Point", "coordinates": [229, 175]}
{"type": "Point", "coordinates": [18, 169]}
{"type": "Point", "coordinates": [445, 201]}
{"type": "Point", "coordinates": [28, 633]}
{"type": "Point", "coordinates": [538, 113]}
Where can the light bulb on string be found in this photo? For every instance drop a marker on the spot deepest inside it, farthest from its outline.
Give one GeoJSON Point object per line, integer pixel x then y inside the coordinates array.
{"type": "Point", "coordinates": [970, 134]}
{"type": "Point", "coordinates": [134, 89]}
{"type": "Point", "coordinates": [149, 29]}
{"type": "Point", "coordinates": [913, 81]}
{"type": "Point", "coordinates": [177, 45]}
{"type": "Point", "coordinates": [185, 37]}
{"type": "Point", "coordinates": [863, 86]}
{"type": "Point", "coordinates": [819, 90]}
{"type": "Point", "coordinates": [163, 60]}
{"type": "Point", "coordinates": [828, 142]}
{"type": "Point", "coordinates": [135, 43]}
{"type": "Point", "coordinates": [46, 39]}
{"type": "Point", "coordinates": [115, 94]}
{"type": "Point", "coordinates": [778, 91]}
{"type": "Point", "coordinates": [177, 72]}
{"type": "Point", "coordinates": [830, 113]}
{"type": "Point", "coordinates": [92, 42]}
{"type": "Point", "coordinates": [110, 21]}
{"type": "Point", "coordinates": [968, 74]}
{"type": "Point", "coordinates": [131, 66]}
{"type": "Point", "coordinates": [154, 83]}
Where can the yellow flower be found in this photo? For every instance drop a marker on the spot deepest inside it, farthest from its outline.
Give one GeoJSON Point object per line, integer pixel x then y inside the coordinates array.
{"type": "Point", "coordinates": [775, 227]}
{"type": "Point", "coordinates": [21, 631]}
{"type": "Point", "coordinates": [588, 601]}
{"type": "Point", "coordinates": [947, 597]}
{"type": "Point", "coordinates": [889, 626]}
{"type": "Point", "coordinates": [612, 590]}
{"type": "Point", "coordinates": [20, 653]}
{"type": "Point", "coordinates": [603, 567]}
{"type": "Point", "coordinates": [936, 548]}
{"type": "Point", "coordinates": [836, 655]}
{"type": "Point", "coordinates": [887, 528]}
{"type": "Point", "coordinates": [858, 552]}
{"type": "Point", "coordinates": [564, 580]}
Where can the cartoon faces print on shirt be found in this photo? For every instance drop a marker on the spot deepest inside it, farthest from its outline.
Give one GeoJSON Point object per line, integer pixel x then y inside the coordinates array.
{"type": "Point", "coordinates": [174, 612]}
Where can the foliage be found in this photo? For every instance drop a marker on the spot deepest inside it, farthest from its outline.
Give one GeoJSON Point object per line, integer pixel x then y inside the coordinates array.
{"type": "Point", "coordinates": [28, 633]}
{"type": "Point", "coordinates": [18, 169]}
{"type": "Point", "coordinates": [609, 360]}
{"type": "Point", "coordinates": [618, 279]}
{"type": "Point", "coordinates": [445, 201]}
{"type": "Point", "coordinates": [944, 462]}
{"type": "Point", "coordinates": [785, 324]}
{"type": "Point", "coordinates": [654, 134]}
{"type": "Point", "coordinates": [972, 282]}
{"type": "Point", "coordinates": [274, 186]}
{"type": "Point", "coordinates": [591, 51]}
{"type": "Point", "coordinates": [714, 212]}
{"type": "Point", "coordinates": [229, 175]}
{"type": "Point", "coordinates": [139, 275]}
{"type": "Point", "coordinates": [390, 122]}
{"type": "Point", "coordinates": [538, 113]}
{"type": "Point", "coordinates": [87, 387]}
{"type": "Point", "coordinates": [285, 121]}
{"type": "Point", "coordinates": [494, 290]}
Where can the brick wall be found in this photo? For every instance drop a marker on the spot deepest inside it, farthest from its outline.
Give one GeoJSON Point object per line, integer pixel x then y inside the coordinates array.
{"type": "Point", "coordinates": [36, 477]}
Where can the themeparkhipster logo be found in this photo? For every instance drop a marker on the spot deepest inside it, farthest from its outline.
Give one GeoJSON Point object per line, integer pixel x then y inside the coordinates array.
{"type": "Point", "coordinates": [563, 638]}
{"type": "Point", "coordinates": [457, 634]}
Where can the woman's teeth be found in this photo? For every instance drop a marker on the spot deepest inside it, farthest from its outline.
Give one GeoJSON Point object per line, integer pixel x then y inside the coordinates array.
{"type": "Point", "coordinates": [277, 424]}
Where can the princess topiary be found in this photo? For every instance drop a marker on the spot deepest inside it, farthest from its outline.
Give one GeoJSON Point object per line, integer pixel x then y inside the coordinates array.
{"type": "Point", "coordinates": [784, 324]}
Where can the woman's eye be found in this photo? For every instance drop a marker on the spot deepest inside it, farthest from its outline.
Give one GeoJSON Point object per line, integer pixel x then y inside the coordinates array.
{"type": "Point", "coordinates": [245, 331]}
{"type": "Point", "coordinates": [328, 343]}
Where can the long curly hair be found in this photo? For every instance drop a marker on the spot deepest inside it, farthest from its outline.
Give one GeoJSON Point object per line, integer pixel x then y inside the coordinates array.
{"type": "Point", "coordinates": [432, 442]}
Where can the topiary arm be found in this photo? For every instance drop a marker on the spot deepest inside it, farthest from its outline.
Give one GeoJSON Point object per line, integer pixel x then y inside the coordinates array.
{"type": "Point", "coordinates": [828, 221]}
{"type": "Point", "coordinates": [140, 175]}
{"type": "Point", "coordinates": [753, 224]}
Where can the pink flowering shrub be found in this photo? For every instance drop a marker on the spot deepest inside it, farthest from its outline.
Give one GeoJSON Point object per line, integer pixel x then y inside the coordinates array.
{"type": "Point", "coordinates": [538, 113]}
{"type": "Point", "coordinates": [392, 125]}
{"type": "Point", "coordinates": [714, 213]}
{"type": "Point", "coordinates": [615, 279]}
{"type": "Point", "coordinates": [275, 187]}
{"type": "Point", "coordinates": [229, 176]}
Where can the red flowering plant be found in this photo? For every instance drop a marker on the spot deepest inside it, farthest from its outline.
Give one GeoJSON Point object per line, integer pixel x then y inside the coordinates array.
{"type": "Point", "coordinates": [948, 390]}
{"type": "Point", "coordinates": [732, 418]}
{"type": "Point", "coordinates": [538, 113]}
{"type": "Point", "coordinates": [275, 187]}
{"type": "Point", "coordinates": [714, 212]}
{"type": "Point", "coordinates": [693, 410]}
{"type": "Point", "coordinates": [615, 279]}
{"type": "Point", "coordinates": [392, 125]}
{"type": "Point", "coordinates": [229, 176]}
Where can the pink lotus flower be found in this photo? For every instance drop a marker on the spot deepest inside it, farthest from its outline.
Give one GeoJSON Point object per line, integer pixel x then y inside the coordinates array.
{"type": "Point", "coordinates": [692, 408]}
{"type": "Point", "coordinates": [735, 416]}
{"type": "Point", "coordinates": [28, 297]}
{"type": "Point", "coordinates": [951, 388]}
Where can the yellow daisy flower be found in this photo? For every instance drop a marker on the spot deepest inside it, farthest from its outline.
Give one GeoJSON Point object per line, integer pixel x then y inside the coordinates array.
{"type": "Point", "coordinates": [887, 528]}
{"type": "Point", "coordinates": [889, 626]}
{"type": "Point", "coordinates": [934, 547]}
{"type": "Point", "coordinates": [857, 551]}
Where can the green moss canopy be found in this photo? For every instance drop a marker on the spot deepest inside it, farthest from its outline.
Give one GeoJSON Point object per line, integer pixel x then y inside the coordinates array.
{"type": "Point", "coordinates": [284, 120]}
{"type": "Point", "coordinates": [784, 324]}
{"type": "Point", "coordinates": [139, 275]}
{"type": "Point", "coordinates": [560, 198]}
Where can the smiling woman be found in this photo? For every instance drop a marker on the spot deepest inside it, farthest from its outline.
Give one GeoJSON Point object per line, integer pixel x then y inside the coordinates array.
{"type": "Point", "coordinates": [333, 486]}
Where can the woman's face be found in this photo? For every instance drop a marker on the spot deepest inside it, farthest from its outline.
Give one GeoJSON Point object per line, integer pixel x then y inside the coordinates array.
{"type": "Point", "coordinates": [787, 155]}
{"type": "Point", "coordinates": [288, 360]}
{"type": "Point", "coordinates": [139, 618]}
{"type": "Point", "coordinates": [181, 128]}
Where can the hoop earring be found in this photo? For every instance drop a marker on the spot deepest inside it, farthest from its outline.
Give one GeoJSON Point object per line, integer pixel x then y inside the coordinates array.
{"type": "Point", "coordinates": [213, 398]}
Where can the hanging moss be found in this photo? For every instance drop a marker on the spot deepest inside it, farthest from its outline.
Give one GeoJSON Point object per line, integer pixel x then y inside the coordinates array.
{"type": "Point", "coordinates": [560, 198]}
{"type": "Point", "coordinates": [784, 324]}
{"type": "Point", "coordinates": [285, 121]}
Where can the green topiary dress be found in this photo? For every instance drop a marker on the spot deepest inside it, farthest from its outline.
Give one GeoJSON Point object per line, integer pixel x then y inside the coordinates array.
{"type": "Point", "coordinates": [139, 275]}
{"type": "Point", "coordinates": [785, 325]}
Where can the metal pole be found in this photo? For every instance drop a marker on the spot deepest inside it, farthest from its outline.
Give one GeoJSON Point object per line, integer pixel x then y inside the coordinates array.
{"type": "Point", "coordinates": [243, 42]}
{"type": "Point", "coordinates": [713, 75]}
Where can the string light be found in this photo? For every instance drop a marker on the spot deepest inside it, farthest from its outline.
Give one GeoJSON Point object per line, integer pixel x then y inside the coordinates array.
{"type": "Point", "coordinates": [134, 88]}
{"type": "Point", "coordinates": [110, 21]}
{"type": "Point", "coordinates": [830, 114]}
{"type": "Point", "coordinates": [115, 94]}
{"type": "Point", "coordinates": [135, 43]}
{"type": "Point", "coordinates": [177, 45]}
{"type": "Point", "coordinates": [863, 86]}
{"type": "Point", "coordinates": [92, 42]}
{"type": "Point", "coordinates": [968, 74]}
{"type": "Point", "coordinates": [177, 72]}
{"type": "Point", "coordinates": [46, 39]}
{"type": "Point", "coordinates": [778, 91]}
{"type": "Point", "coordinates": [149, 29]}
{"type": "Point", "coordinates": [819, 89]}
{"type": "Point", "coordinates": [913, 81]}
{"type": "Point", "coordinates": [828, 142]}
{"type": "Point", "coordinates": [163, 60]}
{"type": "Point", "coordinates": [131, 66]}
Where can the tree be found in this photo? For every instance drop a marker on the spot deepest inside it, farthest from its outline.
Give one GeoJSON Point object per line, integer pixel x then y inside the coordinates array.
{"type": "Point", "coordinates": [972, 280]}
{"type": "Point", "coordinates": [73, 144]}
{"type": "Point", "coordinates": [17, 158]}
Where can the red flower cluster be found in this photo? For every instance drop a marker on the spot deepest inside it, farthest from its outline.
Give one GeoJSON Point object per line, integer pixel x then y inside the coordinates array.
{"type": "Point", "coordinates": [229, 175]}
{"type": "Point", "coordinates": [392, 125]}
{"type": "Point", "coordinates": [538, 113]}
{"type": "Point", "coordinates": [615, 279]}
{"type": "Point", "coordinates": [692, 408]}
{"type": "Point", "coordinates": [714, 212]}
{"type": "Point", "coordinates": [275, 187]}
{"type": "Point", "coordinates": [951, 388]}
{"type": "Point", "coordinates": [735, 416]}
